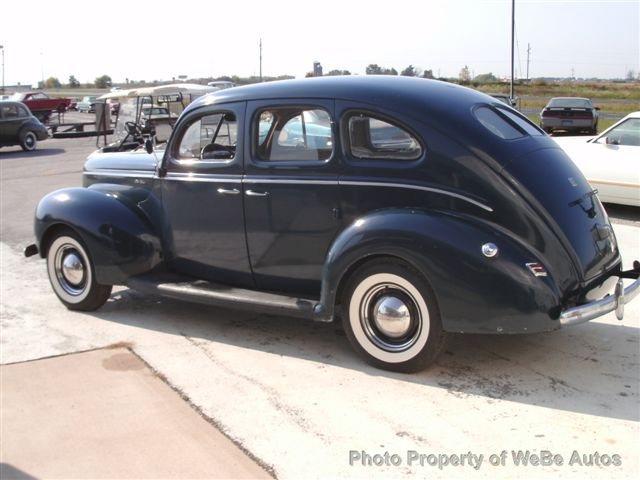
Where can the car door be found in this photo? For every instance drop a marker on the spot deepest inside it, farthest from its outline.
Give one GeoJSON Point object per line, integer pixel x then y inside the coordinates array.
{"type": "Point", "coordinates": [202, 196]}
{"type": "Point", "coordinates": [291, 193]}
{"type": "Point", "coordinates": [613, 165]}
{"type": "Point", "coordinates": [10, 122]}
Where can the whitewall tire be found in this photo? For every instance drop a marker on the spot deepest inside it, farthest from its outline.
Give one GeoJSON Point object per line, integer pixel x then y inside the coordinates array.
{"type": "Point", "coordinates": [72, 275]}
{"type": "Point", "coordinates": [392, 317]}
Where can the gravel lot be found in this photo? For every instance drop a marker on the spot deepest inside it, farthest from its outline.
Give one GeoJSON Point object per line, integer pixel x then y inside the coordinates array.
{"type": "Point", "coordinates": [294, 394]}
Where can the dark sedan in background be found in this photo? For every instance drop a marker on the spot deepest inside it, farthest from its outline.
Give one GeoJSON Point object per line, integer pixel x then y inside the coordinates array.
{"type": "Point", "coordinates": [18, 126]}
{"type": "Point", "coordinates": [571, 114]}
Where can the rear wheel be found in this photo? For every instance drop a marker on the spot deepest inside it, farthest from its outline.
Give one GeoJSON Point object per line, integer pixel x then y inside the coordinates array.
{"type": "Point", "coordinates": [72, 274]}
{"type": "Point", "coordinates": [28, 140]}
{"type": "Point", "coordinates": [391, 316]}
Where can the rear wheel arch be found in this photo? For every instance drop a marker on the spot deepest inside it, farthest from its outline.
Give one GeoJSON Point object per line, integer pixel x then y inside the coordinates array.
{"type": "Point", "coordinates": [348, 273]}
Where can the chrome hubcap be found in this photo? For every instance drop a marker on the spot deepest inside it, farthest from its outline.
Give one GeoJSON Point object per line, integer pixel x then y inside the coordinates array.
{"type": "Point", "coordinates": [70, 270]}
{"type": "Point", "coordinates": [392, 317]}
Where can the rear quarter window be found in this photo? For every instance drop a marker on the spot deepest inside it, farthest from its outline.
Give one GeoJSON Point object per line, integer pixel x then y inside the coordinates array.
{"type": "Point", "coordinates": [376, 138]}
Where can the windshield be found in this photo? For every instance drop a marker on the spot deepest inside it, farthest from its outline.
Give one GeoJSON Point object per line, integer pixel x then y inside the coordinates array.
{"type": "Point", "coordinates": [155, 111]}
{"type": "Point", "coordinates": [570, 103]}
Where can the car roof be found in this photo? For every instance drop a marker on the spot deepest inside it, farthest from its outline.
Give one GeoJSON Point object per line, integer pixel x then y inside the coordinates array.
{"type": "Point", "coordinates": [11, 102]}
{"type": "Point", "coordinates": [571, 98]}
{"type": "Point", "coordinates": [389, 92]}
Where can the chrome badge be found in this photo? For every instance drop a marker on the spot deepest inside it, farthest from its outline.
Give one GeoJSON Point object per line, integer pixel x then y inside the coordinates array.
{"type": "Point", "coordinates": [537, 269]}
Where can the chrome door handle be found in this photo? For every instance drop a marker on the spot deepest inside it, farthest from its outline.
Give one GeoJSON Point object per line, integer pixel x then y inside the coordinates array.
{"type": "Point", "coordinates": [253, 193]}
{"type": "Point", "coordinates": [227, 191]}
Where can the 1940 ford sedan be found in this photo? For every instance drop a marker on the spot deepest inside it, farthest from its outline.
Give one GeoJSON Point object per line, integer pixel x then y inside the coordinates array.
{"type": "Point", "coordinates": [408, 207]}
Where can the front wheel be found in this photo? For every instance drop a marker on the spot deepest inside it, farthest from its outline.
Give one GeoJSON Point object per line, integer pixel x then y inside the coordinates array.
{"type": "Point", "coordinates": [392, 317]}
{"type": "Point", "coordinates": [72, 275]}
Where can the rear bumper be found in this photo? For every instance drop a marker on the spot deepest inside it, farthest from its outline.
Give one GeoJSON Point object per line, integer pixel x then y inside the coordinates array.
{"type": "Point", "coordinates": [621, 296]}
{"type": "Point", "coordinates": [566, 123]}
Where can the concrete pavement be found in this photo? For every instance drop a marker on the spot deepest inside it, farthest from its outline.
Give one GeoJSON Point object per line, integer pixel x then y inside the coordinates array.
{"type": "Point", "coordinates": [105, 414]}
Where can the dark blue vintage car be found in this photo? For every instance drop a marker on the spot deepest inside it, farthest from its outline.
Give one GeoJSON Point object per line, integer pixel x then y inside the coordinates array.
{"type": "Point", "coordinates": [409, 208]}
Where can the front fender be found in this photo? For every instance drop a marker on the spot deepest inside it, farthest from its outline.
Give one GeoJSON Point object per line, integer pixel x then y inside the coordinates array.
{"type": "Point", "coordinates": [120, 237]}
{"type": "Point", "coordinates": [475, 293]}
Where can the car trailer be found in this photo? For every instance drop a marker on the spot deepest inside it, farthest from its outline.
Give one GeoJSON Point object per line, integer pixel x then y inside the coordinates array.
{"type": "Point", "coordinates": [102, 126]}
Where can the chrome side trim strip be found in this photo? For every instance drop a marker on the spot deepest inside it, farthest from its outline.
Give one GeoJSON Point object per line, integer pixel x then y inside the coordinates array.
{"type": "Point", "coordinates": [120, 173]}
{"type": "Point", "coordinates": [254, 180]}
{"type": "Point", "coordinates": [418, 187]}
{"type": "Point", "coordinates": [203, 177]}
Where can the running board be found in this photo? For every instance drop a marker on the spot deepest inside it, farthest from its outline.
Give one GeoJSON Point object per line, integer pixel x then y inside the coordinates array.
{"type": "Point", "coordinates": [200, 291]}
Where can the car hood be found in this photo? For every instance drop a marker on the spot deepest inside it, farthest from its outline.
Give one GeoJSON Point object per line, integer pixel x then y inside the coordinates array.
{"type": "Point", "coordinates": [138, 160]}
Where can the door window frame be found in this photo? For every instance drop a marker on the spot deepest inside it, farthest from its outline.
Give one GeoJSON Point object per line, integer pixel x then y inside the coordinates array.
{"type": "Point", "coordinates": [389, 163]}
{"type": "Point", "coordinates": [172, 161]}
{"type": "Point", "coordinates": [324, 104]}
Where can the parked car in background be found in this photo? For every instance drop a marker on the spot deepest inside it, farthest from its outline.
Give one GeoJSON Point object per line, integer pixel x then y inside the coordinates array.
{"type": "Point", "coordinates": [73, 104]}
{"type": "Point", "coordinates": [506, 99]}
{"type": "Point", "coordinates": [87, 104]}
{"type": "Point", "coordinates": [408, 207]}
{"type": "Point", "coordinates": [221, 84]}
{"type": "Point", "coordinates": [18, 126]}
{"type": "Point", "coordinates": [41, 105]}
{"type": "Point", "coordinates": [571, 114]}
{"type": "Point", "coordinates": [611, 161]}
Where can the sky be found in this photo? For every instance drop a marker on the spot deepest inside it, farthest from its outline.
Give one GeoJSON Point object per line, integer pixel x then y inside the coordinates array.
{"type": "Point", "coordinates": [158, 40]}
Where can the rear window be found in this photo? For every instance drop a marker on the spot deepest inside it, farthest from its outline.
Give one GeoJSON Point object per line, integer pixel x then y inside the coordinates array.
{"type": "Point", "coordinates": [570, 103]}
{"type": "Point", "coordinates": [521, 121]}
{"type": "Point", "coordinates": [496, 124]}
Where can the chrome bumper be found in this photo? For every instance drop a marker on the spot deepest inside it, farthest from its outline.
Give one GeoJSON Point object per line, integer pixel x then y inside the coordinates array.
{"type": "Point", "coordinates": [591, 310]}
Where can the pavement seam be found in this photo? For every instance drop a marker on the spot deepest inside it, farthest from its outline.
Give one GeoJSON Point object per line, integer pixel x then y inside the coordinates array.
{"type": "Point", "coordinates": [212, 421]}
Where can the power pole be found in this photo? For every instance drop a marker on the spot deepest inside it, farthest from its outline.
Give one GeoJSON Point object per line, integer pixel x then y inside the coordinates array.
{"type": "Point", "coordinates": [2, 49]}
{"type": "Point", "coordinates": [261, 59]}
{"type": "Point", "coordinates": [528, 58]}
{"type": "Point", "coordinates": [513, 30]}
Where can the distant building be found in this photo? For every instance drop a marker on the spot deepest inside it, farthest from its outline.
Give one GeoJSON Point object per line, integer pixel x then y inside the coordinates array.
{"type": "Point", "coordinates": [8, 89]}
{"type": "Point", "coordinates": [317, 69]}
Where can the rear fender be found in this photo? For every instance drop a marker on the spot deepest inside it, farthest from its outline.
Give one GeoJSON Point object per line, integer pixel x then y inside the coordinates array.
{"type": "Point", "coordinates": [474, 293]}
{"type": "Point", "coordinates": [119, 234]}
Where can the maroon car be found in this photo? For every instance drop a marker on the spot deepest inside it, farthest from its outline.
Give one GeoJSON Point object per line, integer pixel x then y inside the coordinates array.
{"type": "Point", "coordinates": [41, 104]}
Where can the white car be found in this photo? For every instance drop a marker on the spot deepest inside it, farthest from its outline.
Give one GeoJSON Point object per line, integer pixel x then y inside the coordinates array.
{"type": "Point", "coordinates": [611, 160]}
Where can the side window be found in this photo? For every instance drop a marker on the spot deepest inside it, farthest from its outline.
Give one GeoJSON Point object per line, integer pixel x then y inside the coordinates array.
{"type": "Point", "coordinates": [22, 111]}
{"type": "Point", "coordinates": [374, 138]}
{"type": "Point", "coordinates": [9, 111]}
{"type": "Point", "coordinates": [627, 133]}
{"type": "Point", "coordinates": [212, 137]}
{"type": "Point", "coordinates": [293, 134]}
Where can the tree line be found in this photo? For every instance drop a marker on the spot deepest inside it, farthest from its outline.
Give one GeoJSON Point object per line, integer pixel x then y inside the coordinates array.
{"type": "Point", "coordinates": [103, 81]}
